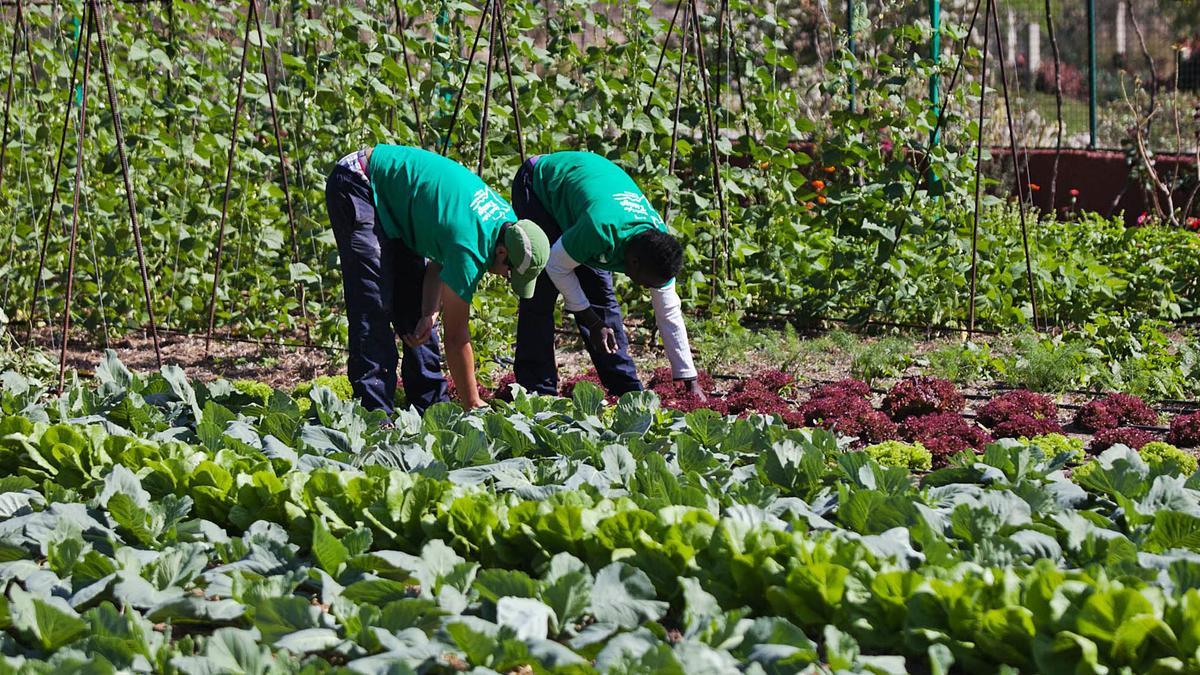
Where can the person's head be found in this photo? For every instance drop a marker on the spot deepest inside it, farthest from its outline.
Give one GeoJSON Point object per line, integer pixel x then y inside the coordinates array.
{"type": "Point", "coordinates": [521, 254]}
{"type": "Point", "coordinates": [653, 258]}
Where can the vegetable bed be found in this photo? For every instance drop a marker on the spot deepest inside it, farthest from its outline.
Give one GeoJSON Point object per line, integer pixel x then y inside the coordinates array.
{"type": "Point", "coordinates": [156, 524]}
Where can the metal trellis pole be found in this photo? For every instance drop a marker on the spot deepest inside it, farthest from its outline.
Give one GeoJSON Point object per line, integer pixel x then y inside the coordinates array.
{"type": "Point", "coordinates": [683, 50]}
{"type": "Point", "coordinates": [983, 78]}
{"type": "Point", "coordinates": [512, 86]}
{"type": "Point", "coordinates": [1091, 36]}
{"type": "Point", "coordinates": [714, 155]}
{"type": "Point", "coordinates": [8, 92]}
{"type": "Point", "coordinates": [412, 95]}
{"type": "Point", "coordinates": [98, 24]}
{"type": "Point", "coordinates": [487, 6]}
{"type": "Point", "coordinates": [663, 53]}
{"type": "Point", "coordinates": [487, 89]}
{"type": "Point", "coordinates": [237, 114]}
{"type": "Point", "coordinates": [283, 170]}
{"type": "Point", "coordinates": [58, 162]}
{"type": "Point", "coordinates": [82, 131]}
{"type": "Point", "coordinates": [1012, 140]}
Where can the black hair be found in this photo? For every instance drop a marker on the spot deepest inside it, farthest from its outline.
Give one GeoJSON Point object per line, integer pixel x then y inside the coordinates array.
{"type": "Point", "coordinates": [660, 253]}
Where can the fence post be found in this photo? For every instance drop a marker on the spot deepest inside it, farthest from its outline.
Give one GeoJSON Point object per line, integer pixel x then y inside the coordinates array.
{"type": "Point", "coordinates": [1091, 32]}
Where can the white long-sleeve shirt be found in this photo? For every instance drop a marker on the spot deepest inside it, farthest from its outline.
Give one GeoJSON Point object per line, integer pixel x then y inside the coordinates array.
{"type": "Point", "coordinates": [668, 311]}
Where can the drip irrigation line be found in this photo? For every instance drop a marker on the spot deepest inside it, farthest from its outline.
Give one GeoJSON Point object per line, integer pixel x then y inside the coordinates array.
{"type": "Point", "coordinates": [793, 318]}
{"type": "Point", "coordinates": [283, 168]}
{"type": "Point", "coordinates": [115, 111]}
{"type": "Point", "coordinates": [82, 131]}
{"type": "Point", "coordinates": [237, 114]}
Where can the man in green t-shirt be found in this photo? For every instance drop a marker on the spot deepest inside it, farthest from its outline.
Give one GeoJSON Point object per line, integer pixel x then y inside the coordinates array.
{"type": "Point", "coordinates": [415, 234]}
{"type": "Point", "coordinates": [598, 222]}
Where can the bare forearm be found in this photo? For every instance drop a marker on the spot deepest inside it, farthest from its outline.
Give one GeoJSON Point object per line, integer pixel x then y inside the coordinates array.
{"type": "Point", "coordinates": [431, 290]}
{"type": "Point", "coordinates": [461, 359]}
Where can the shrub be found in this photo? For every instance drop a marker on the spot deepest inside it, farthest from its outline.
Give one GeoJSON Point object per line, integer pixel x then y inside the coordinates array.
{"type": "Point", "coordinates": [922, 395]}
{"type": "Point", "coordinates": [1018, 402]}
{"type": "Point", "coordinates": [1185, 430]}
{"type": "Point", "coordinates": [1054, 444]}
{"type": "Point", "coordinates": [1168, 458]}
{"type": "Point", "coordinates": [912, 456]}
{"type": "Point", "coordinates": [1114, 410]}
{"type": "Point", "coordinates": [1128, 436]}
{"type": "Point", "coordinates": [945, 434]}
{"type": "Point", "coordinates": [1069, 77]}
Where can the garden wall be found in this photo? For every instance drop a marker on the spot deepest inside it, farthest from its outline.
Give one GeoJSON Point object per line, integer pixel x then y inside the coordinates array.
{"type": "Point", "coordinates": [1103, 178]}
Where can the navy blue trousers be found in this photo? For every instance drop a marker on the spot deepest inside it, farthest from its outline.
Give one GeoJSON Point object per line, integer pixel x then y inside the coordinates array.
{"type": "Point", "coordinates": [535, 367]}
{"type": "Point", "coordinates": [382, 280]}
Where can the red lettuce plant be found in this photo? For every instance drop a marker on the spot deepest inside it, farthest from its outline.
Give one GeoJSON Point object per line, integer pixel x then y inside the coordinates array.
{"type": "Point", "coordinates": [1114, 410]}
{"type": "Point", "coordinates": [1017, 402]}
{"type": "Point", "coordinates": [1020, 413]}
{"type": "Point", "coordinates": [847, 415]}
{"type": "Point", "coordinates": [1185, 430]}
{"type": "Point", "coordinates": [567, 387]}
{"type": "Point", "coordinates": [922, 395]}
{"type": "Point", "coordinates": [1024, 425]}
{"type": "Point", "coordinates": [944, 434]}
{"type": "Point", "coordinates": [847, 387]}
{"type": "Point", "coordinates": [1127, 436]}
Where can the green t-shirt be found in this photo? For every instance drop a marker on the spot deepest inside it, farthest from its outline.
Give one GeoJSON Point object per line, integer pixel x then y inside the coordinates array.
{"type": "Point", "coordinates": [597, 205]}
{"type": "Point", "coordinates": [439, 209]}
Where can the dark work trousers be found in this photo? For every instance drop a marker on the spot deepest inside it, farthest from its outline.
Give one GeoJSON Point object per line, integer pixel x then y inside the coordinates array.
{"type": "Point", "coordinates": [382, 280]}
{"type": "Point", "coordinates": [535, 367]}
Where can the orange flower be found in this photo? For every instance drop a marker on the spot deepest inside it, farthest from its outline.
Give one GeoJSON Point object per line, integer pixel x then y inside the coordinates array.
{"type": "Point", "coordinates": [808, 205]}
{"type": "Point", "coordinates": [1035, 187]}
{"type": "Point", "coordinates": [830, 169]}
{"type": "Point", "coordinates": [820, 199]}
{"type": "Point", "coordinates": [819, 184]}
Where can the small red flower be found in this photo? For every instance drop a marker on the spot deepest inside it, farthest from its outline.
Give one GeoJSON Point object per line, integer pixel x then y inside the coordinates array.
{"type": "Point", "coordinates": [818, 184]}
{"type": "Point", "coordinates": [1035, 187]}
{"type": "Point", "coordinates": [1074, 192]}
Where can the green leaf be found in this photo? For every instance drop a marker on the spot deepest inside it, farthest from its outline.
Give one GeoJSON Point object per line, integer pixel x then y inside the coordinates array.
{"type": "Point", "coordinates": [330, 552]}
{"type": "Point", "coordinates": [623, 595]}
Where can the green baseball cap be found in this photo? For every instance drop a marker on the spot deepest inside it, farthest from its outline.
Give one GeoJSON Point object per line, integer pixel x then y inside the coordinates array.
{"type": "Point", "coordinates": [528, 251]}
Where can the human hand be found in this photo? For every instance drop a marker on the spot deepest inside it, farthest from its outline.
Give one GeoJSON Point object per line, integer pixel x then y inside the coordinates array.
{"type": "Point", "coordinates": [693, 387]}
{"type": "Point", "coordinates": [604, 340]}
{"type": "Point", "coordinates": [422, 332]}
